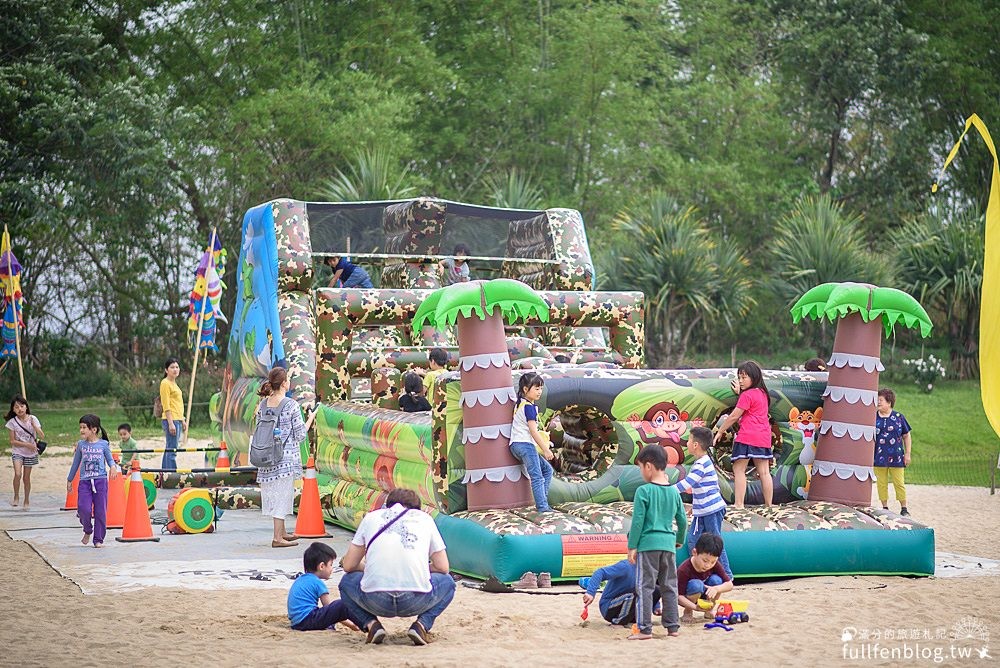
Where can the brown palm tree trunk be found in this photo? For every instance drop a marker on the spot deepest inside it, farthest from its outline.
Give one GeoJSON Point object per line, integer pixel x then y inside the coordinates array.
{"type": "Point", "coordinates": [493, 478]}
{"type": "Point", "coordinates": [842, 472]}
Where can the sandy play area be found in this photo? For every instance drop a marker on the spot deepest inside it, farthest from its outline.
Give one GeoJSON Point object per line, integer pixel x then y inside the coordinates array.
{"type": "Point", "coordinates": [48, 621]}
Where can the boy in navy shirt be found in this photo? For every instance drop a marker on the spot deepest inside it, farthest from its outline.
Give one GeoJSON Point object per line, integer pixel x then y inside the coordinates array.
{"type": "Point", "coordinates": [308, 588]}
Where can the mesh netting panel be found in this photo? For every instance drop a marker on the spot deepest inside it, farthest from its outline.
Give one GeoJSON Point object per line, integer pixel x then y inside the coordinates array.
{"type": "Point", "coordinates": [331, 224]}
{"type": "Point", "coordinates": [483, 229]}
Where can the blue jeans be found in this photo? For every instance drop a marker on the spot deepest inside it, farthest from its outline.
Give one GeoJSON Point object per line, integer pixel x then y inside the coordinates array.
{"type": "Point", "coordinates": [323, 618]}
{"type": "Point", "coordinates": [697, 587]}
{"type": "Point", "coordinates": [359, 278]}
{"type": "Point", "coordinates": [539, 470]}
{"type": "Point", "coordinates": [169, 458]}
{"type": "Point", "coordinates": [709, 524]}
{"type": "Point", "coordinates": [365, 607]}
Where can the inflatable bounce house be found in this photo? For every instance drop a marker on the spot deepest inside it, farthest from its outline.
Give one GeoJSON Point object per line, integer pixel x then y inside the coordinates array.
{"type": "Point", "coordinates": [348, 348]}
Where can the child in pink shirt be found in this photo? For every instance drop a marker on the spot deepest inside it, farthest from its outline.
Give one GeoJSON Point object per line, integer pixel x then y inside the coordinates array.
{"type": "Point", "coordinates": [753, 439]}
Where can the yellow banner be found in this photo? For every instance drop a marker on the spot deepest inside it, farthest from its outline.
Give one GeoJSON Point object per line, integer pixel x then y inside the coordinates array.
{"type": "Point", "coordinates": [989, 311]}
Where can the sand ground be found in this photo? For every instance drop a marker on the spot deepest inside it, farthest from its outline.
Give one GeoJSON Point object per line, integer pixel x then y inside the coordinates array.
{"type": "Point", "coordinates": [47, 621]}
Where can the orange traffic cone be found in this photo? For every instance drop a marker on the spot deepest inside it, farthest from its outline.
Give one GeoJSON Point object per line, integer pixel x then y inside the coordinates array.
{"type": "Point", "coordinates": [71, 501]}
{"type": "Point", "coordinates": [310, 521]}
{"type": "Point", "coordinates": [116, 497]}
{"type": "Point", "coordinates": [223, 461]}
{"type": "Point", "coordinates": [137, 524]}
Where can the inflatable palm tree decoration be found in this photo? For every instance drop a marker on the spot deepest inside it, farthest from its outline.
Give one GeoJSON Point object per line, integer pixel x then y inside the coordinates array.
{"type": "Point", "coordinates": [493, 477]}
{"type": "Point", "coordinates": [842, 472]}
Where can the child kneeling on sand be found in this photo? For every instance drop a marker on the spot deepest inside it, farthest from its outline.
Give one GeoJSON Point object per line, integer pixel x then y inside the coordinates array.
{"type": "Point", "coordinates": [308, 588]}
{"type": "Point", "coordinates": [618, 599]}
{"type": "Point", "coordinates": [702, 576]}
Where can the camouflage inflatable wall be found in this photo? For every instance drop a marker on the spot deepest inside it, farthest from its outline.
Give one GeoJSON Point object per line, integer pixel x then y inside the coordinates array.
{"type": "Point", "coordinates": [600, 409]}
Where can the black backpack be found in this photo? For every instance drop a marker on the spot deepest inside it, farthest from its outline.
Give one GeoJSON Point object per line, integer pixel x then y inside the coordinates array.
{"type": "Point", "coordinates": [266, 447]}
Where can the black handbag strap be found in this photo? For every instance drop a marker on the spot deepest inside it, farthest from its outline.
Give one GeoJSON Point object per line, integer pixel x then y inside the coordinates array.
{"type": "Point", "coordinates": [31, 426]}
{"type": "Point", "coordinates": [389, 524]}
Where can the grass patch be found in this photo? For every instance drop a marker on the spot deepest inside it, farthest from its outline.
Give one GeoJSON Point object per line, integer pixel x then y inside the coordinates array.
{"type": "Point", "coordinates": [953, 442]}
{"type": "Point", "coordinates": [61, 421]}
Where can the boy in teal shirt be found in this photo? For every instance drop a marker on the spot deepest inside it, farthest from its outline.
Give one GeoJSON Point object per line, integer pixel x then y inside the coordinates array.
{"type": "Point", "coordinates": [657, 519]}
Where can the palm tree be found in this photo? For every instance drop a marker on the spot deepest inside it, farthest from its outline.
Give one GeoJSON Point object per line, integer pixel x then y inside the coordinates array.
{"type": "Point", "coordinates": [689, 277]}
{"type": "Point", "coordinates": [842, 471]}
{"type": "Point", "coordinates": [493, 477]}
{"type": "Point", "coordinates": [373, 176]}
{"type": "Point", "coordinates": [819, 242]}
{"type": "Point", "coordinates": [514, 189]}
{"type": "Point", "coordinates": [941, 261]}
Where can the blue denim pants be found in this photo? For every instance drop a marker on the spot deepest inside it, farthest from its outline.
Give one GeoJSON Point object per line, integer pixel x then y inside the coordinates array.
{"type": "Point", "coordinates": [323, 618]}
{"type": "Point", "coordinates": [696, 587]}
{"type": "Point", "coordinates": [169, 460]}
{"type": "Point", "coordinates": [539, 470]}
{"type": "Point", "coordinates": [365, 607]}
{"type": "Point", "coordinates": [359, 278]}
{"type": "Point", "coordinates": [709, 524]}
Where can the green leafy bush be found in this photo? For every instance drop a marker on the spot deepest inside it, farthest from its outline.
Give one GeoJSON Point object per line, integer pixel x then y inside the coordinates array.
{"type": "Point", "coordinates": [58, 369]}
{"type": "Point", "coordinates": [136, 391]}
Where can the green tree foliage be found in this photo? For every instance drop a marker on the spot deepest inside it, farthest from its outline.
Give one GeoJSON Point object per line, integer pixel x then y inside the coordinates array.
{"type": "Point", "coordinates": [372, 176]}
{"type": "Point", "coordinates": [819, 241]}
{"type": "Point", "coordinates": [514, 189]}
{"type": "Point", "coordinates": [940, 257]}
{"type": "Point", "coordinates": [850, 71]}
{"type": "Point", "coordinates": [128, 130]}
{"type": "Point", "coordinates": [670, 254]}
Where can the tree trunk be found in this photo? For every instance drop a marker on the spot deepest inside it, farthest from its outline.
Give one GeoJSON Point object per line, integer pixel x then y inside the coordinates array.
{"type": "Point", "coordinates": [842, 472]}
{"type": "Point", "coordinates": [494, 477]}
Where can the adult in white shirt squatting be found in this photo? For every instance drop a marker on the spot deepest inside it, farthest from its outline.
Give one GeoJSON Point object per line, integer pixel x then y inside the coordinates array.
{"type": "Point", "coordinates": [386, 573]}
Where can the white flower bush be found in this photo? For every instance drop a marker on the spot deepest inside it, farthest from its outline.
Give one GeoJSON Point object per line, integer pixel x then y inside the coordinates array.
{"type": "Point", "coordinates": [925, 371]}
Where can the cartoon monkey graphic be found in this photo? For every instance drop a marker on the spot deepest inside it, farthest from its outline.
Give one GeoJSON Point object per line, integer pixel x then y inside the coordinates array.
{"type": "Point", "coordinates": [664, 423]}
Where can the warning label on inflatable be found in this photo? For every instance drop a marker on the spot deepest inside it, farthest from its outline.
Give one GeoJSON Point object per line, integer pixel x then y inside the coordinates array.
{"type": "Point", "coordinates": [585, 553]}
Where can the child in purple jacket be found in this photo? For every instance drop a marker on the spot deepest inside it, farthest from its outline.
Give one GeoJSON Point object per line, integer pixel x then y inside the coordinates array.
{"type": "Point", "coordinates": [90, 457]}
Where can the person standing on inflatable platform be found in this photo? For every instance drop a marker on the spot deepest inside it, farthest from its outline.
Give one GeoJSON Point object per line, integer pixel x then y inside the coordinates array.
{"type": "Point", "coordinates": [753, 440]}
{"type": "Point", "coordinates": [524, 436]}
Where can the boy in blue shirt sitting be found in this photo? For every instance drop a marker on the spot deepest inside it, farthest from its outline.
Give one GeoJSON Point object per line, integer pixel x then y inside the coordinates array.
{"type": "Point", "coordinates": [308, 588]}
{"type": "Point", "coordinates": [618, 600]}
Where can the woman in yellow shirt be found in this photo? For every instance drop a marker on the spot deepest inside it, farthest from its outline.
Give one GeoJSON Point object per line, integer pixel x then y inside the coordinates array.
{"type": "Point", "coordinates": [173, 411]}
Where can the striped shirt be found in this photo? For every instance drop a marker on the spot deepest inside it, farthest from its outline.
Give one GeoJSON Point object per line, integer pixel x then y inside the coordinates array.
{"type": "Point", "coordinates": [703, 484]}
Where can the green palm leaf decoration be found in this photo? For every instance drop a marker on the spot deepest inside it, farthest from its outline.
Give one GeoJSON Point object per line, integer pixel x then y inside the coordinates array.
{"type": "Point", "coordinates": [459, 299]}
{"type": "Point", "coordinates": [425, 312]}
{"type": "Point", "coordinates": [837, 300]}
{"type": "Point", "coordinates": [894, 305]}
{"type": "Point", "coordinates": [848, 298]}
{"type": "Point", "coordinates": [515, 300]}
{"type": "Point", "coordinates": [813, 303]}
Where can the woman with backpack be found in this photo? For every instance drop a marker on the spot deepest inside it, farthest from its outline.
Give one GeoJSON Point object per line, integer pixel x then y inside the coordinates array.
{"type": "Point", "coordinates": [277, 480]}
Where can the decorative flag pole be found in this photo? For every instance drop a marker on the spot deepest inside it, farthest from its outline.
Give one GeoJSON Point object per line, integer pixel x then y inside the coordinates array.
{"type": "Point", "coordinates": [13, 268]}
{"type": "Point", "coordinates": [989, 306]}
{"type": "Point", "coordinates": [197, 345]}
